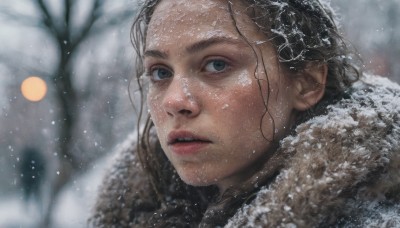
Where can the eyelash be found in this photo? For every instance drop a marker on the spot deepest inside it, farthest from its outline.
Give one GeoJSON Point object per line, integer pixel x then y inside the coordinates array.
{"type": "Point", "coordinates": [226, 63]}
{"type": "Point", "coordinates": [152, 69]}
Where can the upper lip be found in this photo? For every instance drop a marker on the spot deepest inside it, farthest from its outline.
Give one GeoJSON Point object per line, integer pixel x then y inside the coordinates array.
{"type": "Point", "coordinates": [175, 136]}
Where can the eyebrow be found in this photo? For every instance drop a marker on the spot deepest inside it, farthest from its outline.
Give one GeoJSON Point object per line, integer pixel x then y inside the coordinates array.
{"type": "Point", "coordinates": [198, 46]}
{"type": "Point", "coordinates": [203, 44]}
{"type": "Point", "coordinates": [156, 54]}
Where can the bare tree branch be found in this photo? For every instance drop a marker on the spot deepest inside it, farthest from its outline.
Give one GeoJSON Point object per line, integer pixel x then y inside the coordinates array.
{"type": "Point", "coordinates": [94, 16]}
{"type": "Point", "coordinates": [67, 18]}
{"type": "Point", "coordinates": [48, 20]}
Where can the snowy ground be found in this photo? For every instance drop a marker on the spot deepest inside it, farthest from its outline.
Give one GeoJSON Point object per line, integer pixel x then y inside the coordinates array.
{"type": "Point", "coordinates": [71, 211]}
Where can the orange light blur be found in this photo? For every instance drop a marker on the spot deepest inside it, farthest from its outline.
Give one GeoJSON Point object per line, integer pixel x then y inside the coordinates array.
{"type": "Point", "coordinates": [34, 88]}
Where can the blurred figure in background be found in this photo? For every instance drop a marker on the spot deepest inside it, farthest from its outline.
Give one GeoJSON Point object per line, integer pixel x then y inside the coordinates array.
{"type": "Point", "coordinates": [33, 172]}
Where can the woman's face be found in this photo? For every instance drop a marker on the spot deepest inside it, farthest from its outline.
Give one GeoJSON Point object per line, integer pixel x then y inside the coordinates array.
{"type": "Point", "coordinates": [208, 100]}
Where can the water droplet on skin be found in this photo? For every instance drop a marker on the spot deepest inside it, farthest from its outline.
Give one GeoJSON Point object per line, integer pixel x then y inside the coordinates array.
{"type": "Point", "coordinates": [244, 80]}
{"type": "Point", "coordinates": [258, 42]}
{"type": "Point", "coordinates": [225, 106]}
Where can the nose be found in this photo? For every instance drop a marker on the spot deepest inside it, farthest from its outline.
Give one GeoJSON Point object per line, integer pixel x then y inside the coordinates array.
{"type": "Point", "coordinates": [180, 100]}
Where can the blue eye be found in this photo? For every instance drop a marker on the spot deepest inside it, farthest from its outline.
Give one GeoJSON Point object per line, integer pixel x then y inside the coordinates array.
{"type": "Point", "coordinates": [158, 74]}
{"type": "Point", "coordinates": [216, 66]}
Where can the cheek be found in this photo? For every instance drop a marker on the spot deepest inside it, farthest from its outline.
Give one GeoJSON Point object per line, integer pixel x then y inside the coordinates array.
{"type": "Point", "coordinates": [243, 107]}
{"type": "Point", "coordinates": [157, 114]}
{"type": "Point", "coordinates": [154, 103]}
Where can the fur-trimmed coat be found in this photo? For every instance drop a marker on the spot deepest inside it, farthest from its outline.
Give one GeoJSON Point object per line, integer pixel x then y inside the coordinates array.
{"type": "Point", "coordinates": [343, 171]}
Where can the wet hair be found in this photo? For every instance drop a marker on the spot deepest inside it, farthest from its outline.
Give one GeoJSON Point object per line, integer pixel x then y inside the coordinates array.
{"type": "Point", "coordinates": [303, 32]}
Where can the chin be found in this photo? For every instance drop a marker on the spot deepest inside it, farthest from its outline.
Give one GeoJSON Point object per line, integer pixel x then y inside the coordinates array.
{"type": "Point", "coordinates": [197, 179]}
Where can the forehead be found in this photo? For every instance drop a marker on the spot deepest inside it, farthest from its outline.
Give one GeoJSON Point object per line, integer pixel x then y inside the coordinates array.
{"type": "Point", "coordinates": [197, 19]}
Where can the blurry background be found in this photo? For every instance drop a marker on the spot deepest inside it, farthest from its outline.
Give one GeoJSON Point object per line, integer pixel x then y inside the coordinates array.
{"type": "Point", "coordinates": [373, 26]}
{"type": "Point", "coordinates": [53, 149]}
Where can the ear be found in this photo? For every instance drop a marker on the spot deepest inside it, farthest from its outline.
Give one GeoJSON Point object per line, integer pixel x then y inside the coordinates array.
{"type": "Point", "coordinates": [309, 86]}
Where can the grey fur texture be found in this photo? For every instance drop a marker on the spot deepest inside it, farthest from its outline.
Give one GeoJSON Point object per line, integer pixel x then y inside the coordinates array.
{"type": "Point", "coordinates": [344, 170]}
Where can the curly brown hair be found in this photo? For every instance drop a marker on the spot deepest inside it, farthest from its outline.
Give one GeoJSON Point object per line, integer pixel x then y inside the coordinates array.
{"type": "Point", "coordinates": [303, 32]}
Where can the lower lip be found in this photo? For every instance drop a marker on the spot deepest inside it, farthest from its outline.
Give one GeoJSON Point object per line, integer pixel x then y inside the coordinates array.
{"type": "Point", "coordinates": [188, 148]}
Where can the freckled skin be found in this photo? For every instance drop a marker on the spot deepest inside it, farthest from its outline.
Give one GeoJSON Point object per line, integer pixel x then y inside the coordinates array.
{"type": "Point", "coordinates": [227, 107]}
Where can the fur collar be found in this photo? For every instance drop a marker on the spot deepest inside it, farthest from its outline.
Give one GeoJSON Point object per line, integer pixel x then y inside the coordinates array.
{"type": "Point", "coordinates": [345, 163]}
{"type": "Point", "coordinates": [343, 169]}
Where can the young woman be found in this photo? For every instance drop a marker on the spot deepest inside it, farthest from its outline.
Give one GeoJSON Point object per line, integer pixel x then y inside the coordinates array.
{"type": "Point", "coordinates": [257, 117]}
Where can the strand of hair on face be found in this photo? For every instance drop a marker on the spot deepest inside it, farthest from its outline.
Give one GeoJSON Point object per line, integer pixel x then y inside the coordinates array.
{"type": "Point", "coordinates": [231, 13]}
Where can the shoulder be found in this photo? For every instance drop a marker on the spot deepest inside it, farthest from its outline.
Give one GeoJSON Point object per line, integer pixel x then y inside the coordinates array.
{"type": "Point", "coordinates": [125, 187]}
{"type": "Point", "coordinates": [350, 152]}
